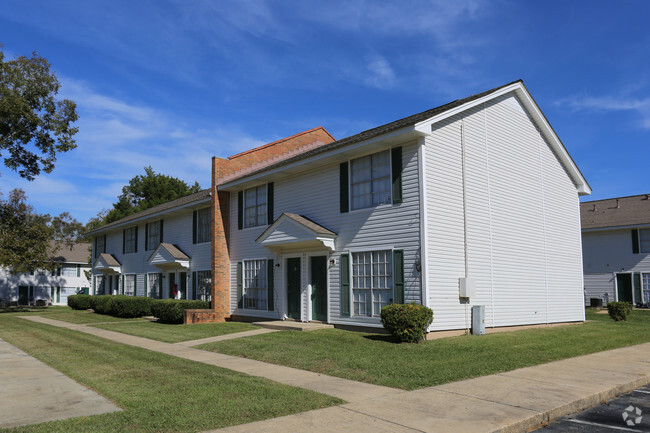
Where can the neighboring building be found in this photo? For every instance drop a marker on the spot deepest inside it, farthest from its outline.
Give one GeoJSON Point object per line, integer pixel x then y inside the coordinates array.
{"type": "Point", "coordinates": [616, 249]}
{"type": "Point", "coordinates": [68, 278]}
{"type": "Point", "coordinates": [471, 203]}
{"type": "Point", "coordinates": [165, 251]}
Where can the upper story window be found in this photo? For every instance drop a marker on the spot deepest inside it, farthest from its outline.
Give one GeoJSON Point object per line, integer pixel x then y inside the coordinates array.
{"type": "Point", "coordinates": [255, 200]}
{"type": "Point", "coordinates": [153, 234]}
{"type": "Point", "coordinates": [68, 270]}
{"type": "Point", "coordinates": [130, 240]}
{"type": "Point", "coordinates": [644, 240]}
{"type": "Point", "coordinates": [100, 245]}
{"type": "Point", "coordinates": [370, 180]}
{"type": "Point", "coordinates": [201, 229]}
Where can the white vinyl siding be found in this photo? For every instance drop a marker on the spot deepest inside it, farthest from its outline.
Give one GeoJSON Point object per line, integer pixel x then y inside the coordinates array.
{"type": "Point", "coordinates": [203, 225]}
{"type": "Point", "coordinates": [372, 282]}
{"type": "Point", "coordinates": [255, 285]}
{"type": "Point", "coordinates": [370, 180]}
{"type": "Point", "coordinates": [255, 206]}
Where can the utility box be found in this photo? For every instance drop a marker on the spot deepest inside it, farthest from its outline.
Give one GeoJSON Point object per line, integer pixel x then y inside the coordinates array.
{"type": "Point", "coordinates": [478, 319]}
{"type": "Point", "coordinates": [467, 287]}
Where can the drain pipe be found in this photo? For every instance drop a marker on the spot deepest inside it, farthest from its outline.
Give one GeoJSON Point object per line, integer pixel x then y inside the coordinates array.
{"type": "Point", "coordinates": [464, 182]}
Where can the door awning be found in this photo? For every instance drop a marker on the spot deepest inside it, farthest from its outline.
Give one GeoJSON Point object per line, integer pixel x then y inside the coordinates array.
{"type": "Point", "coordinates": [167, 256]}
{"type": "Point", "coordinates": [297, 232]}
{"type": "Point", "coordinates": [108, 264]}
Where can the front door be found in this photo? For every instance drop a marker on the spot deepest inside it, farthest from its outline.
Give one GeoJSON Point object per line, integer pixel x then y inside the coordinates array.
{"type": "Point", "coordinates": [293, 288]}
{"type": "Point", "coordinates": [624, 285]}
{"type": "Point", "coordinates": [23, 295]}
{"type": "Point", "coordinates": [319, 287]}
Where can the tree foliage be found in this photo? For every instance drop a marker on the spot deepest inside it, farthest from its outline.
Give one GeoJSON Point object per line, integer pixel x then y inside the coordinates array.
{"type": "Point", "coordinates": [34, 126]}
{"type": "Point", "coordinates": [25, 236]}
{"type": "Point", "coordinates": [148, 190]}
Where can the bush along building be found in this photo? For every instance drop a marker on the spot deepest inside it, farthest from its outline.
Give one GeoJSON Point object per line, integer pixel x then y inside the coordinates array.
{"type": "Point", "coordinates": [473, 203]}
{"type": "Point", "coordinates": [616, 250]}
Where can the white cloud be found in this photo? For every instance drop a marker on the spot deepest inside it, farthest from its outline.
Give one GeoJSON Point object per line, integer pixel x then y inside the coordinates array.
{"type": "Point", "coordinates": [381, 74]}
{"type": "Point", "coordinates": [610, 103]}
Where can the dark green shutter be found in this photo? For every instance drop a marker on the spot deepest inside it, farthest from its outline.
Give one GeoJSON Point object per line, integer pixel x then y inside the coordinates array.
{"type": "Point", "coordinates": [269, 282]}
{"type": "Point", "coordinates": [122, 291]}
{"type": "Point", "coordinates": [146, 288]}
{"type": "Point", "coordinates": [635, 241]}
{"type": "Point", "coordinates": [146, 236]}
{"type": "Point", "coordinates": [135, 249]}
{"type": "Point", "coordinates": [104, 244]}
{"type": "Point", "coordinates": [396, 158]}
{"type": "Point", "coordinates": [160, 239]}
{"type": "Point", "coordinates": [78, 270]}
{"type": "Point", "coordinates": [194, 217]}
{"type": "Point", "coordinates": [345, 285]}
{"type": "Point", "coordinates": [194, 288]}
{"type": "Point", "coordinates": [269, 202]}
{"type": "Point", "coordinates": [240, 287]}
{"type": "Point", "coordinates": [123, 241]}
{"type": "Point", "coordinates": [344, 188]}
{"type": "Point", "coordinates": [160, 285]}
{"type": "Point", "coordinates": [135, 285]}
{"type": "Point", "coordinates": [398, 276]}
{"type": "Point", "coordinates": [240, 210]}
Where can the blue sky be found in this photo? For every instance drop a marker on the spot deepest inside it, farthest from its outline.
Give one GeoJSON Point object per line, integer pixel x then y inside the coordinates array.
{"type": "Point", "coordinates": [170, 83]}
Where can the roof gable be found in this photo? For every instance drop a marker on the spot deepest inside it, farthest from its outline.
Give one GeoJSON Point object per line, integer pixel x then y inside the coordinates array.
{"type": "Point", "coordinates": [292, 231]}
{"type": "Point", "coordinates": [169, 256]}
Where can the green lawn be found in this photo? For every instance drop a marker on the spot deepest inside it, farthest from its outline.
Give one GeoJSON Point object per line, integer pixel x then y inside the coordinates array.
{"type": "Point", "coordinates": [377, 359]}
{"type": "Point", "coordinates": [160, 393]}
{"type": "Point", "coordinates": [175, 333]}
{"type": "Point", "coordinates": [65, 314]}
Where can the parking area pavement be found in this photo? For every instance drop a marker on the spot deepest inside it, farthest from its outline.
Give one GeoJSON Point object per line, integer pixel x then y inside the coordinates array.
{"type": "Point", "coordinates": [32, 392]}
{"type": "Point", "coordinates": [629, 412]}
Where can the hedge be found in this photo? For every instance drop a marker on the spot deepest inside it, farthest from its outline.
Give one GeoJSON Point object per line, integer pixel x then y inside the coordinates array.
{"type": "Point", "coordinates": [129, 306]}
{"type": "Point", "coordinates": [407, 322]}
{"type": "Point", "coordinates": [171, 310]}
{"type": "Point", "coordinates": [79, 302]}
{"type": "Point", "coordinates": [619, 311]}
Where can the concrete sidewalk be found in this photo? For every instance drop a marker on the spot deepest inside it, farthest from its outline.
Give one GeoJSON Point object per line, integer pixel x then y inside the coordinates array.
{"type": "Point", "coordinates": [513, 401]}
{"type": "Point", "coordinates": [32, 392]}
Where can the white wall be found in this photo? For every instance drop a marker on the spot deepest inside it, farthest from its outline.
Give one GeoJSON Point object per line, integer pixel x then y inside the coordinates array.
{"type": "Point", "coordinates": [523, 227]}
{"type": "Point", "coordinates": [42, 284]}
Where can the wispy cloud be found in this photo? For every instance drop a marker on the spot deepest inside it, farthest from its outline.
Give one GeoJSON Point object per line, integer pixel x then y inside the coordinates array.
{"type": "Point", "coordinates": [381, 74]}
{"type": "Point", "coordinates": [610, 103]}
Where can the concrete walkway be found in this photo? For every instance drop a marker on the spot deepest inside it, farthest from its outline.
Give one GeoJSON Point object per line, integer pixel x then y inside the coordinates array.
{"type": "Point", "coordinates": [513, 401]}
{"type": "Point", "coordinates": [32, 392]}
{"type": "Point", "coordinates": [192, 343]}
{"type": "Point", "coordinates": [344, 389]}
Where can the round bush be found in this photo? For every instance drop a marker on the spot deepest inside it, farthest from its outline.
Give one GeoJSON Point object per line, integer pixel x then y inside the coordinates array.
{"type": "Point", "coordinates": [171, 310]}
{"type": "Point", "coordinates": [79, 302]}
{"type": "Point", "coordinates": [407, 322]}
{"type": "Point", "coordinates": [130, 306]}
{"type": "Point", "coordinates": [619, 311]}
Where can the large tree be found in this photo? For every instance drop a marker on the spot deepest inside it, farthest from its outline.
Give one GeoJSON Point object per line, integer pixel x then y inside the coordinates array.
{"type": "Point", "coordinates": [34, 126]}
{"type": "Point", "coordinates": [25, 236]}
{"type": "Point", "coordinates": [144, 192]}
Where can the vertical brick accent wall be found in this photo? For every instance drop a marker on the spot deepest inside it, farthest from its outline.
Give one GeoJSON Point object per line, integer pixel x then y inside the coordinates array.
{"type": "Point", "coordinates": [220, 242]}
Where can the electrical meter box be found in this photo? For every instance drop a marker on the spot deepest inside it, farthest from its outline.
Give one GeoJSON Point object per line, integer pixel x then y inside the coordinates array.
{"type": "Point", "coordinates": [467, 287]}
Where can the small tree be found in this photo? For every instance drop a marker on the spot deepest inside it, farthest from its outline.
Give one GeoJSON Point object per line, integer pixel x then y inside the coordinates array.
{"type": "Point", "coordinates": [34, 126]}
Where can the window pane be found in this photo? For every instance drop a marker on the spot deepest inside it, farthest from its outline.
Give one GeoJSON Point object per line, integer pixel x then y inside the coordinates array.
{"type": "Point", "coordinates": [204, 285]}
{"type": "Point", "coordinates": [646, 288]}
{"type": "Point", "coordinates": [372, 281]}
{"type": "Point", "coordinates": [644, 238]}
{"type": "Point", "coordinates": [255, 285]}
{"type": "Point", "coordinates": [203, 225]}
{"type": "Point", "coordinates": [370, 180]}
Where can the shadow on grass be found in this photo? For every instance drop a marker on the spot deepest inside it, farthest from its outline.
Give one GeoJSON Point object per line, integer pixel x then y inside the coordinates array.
{"type": "Point", "coordinates": [22, 309]}
{"type": "Point", "coordinates": [382, 337]}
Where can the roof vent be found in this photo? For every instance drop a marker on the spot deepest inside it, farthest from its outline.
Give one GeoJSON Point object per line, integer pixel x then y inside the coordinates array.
{"type": "Point", "coordinates": [594, 207]}
{"type": "Point", "coordinates": [618, 204]}
{"type": "Point", "coordinates": [647, 197]}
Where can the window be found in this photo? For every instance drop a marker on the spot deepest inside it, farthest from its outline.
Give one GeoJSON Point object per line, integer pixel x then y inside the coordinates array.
{"type": "Point", "coordinates": [153, 291]}
{"type": "Point", "coordinates": [204, 285]}
{"type": "Point", "coordinates": [255, 206]}
{"type": "Point", "coordinates": [202, 225]}
{"type": "Point", "coordinates": [68, 270]}
{"type": "Point", "coordinates": [372, 282]}
{"type": "Point", "coordinates": [129, 285]}
{"type": "Point", "coordinates": [644, 240]}
{"type": "Point", "coordinates": [131, 240]}
{"type": "Point", "coordinates": [370, 181]}
{"type": "Point", "coordinates": [99, 284]}
{"type": "Point", "coordinates": [255, 286]}
{"type": "Point", "coordinates": [153, 234]}
{"type": "Point", "coordinates": [100, 245]}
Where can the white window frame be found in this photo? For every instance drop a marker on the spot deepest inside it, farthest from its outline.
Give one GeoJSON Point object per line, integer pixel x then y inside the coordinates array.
{"type": "Point", "coordinates": [150, 278]}
{"type": "Point", "coordinates": [66, 268]}
{"type": "Point", "coordinates": [126, 284]}
{"type": "Point", "coordinates": [130, 239]}
{"type": "Point", "coordinates": [351, 184]}
{"type": "Point", "coordinates": [207, 294]}
{"type": "Point", "coordinates": [260, 219]}
{"type": "Point", "coordinates": [372, 290]}
{"type": "Point", "coordinates": [203, 230]}
{"type": "Point", "coordinates": [256, 303]}
{"type": "Point", "coordinates": [150, 245]}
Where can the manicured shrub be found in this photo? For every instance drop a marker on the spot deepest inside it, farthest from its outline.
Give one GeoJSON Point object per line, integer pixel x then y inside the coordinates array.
{"type": "Point", "coordinates": [171, 310]}
{"type": "Point", "coordinates": [130, 306]}
{"type": "Point", "coordinates": [407, 322]}
{"type": "Point", "coordinates": [619, 311]}
{"type": "Point", "coordinates": [101, 304]}
{"type": "Point", "coordinates": [79, 302]}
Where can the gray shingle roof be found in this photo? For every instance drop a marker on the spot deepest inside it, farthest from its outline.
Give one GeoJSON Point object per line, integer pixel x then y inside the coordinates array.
{"type": "Point", "coordinates": [197, 196]}
{"type": "Point", "coordinates": [311, 225]}
{"type": "Point", "coordinates": [174, 251]}
{"type": "Point", "coordinates": [109, 259]}
{"type": "Point", "coordinates": [79, 253]}
{"type": "Point", "coordinates": [616, 212]}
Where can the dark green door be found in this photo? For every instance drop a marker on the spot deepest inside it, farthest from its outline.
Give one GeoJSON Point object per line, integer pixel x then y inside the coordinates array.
{"type": "Point", "coordinates": [23, 295]}
{"type": "Point", "coordinates": [624, 284]}
{"type": "Point", "coordinates": [319, 287]}
{"type": "Point", "coordinates": [293, 288]}
{"type": "Point", "coordinates": [183, 286]}
{"type": "Point", "coordinates": [85, 290]}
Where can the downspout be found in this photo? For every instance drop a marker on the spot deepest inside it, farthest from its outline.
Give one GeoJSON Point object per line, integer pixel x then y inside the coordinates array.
{"type": "Point", "coordinates": [464, 182]}
{"type": "Point", "coordinates": [489, 194]}
{"type": "Point", "coordinates": [541, 176]}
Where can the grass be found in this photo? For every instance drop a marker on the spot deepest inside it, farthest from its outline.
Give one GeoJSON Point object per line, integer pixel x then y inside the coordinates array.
{"type": "Point", "coordinates": [65, 314]}
{"type": "Point", "coordinates": [377, 359]}
{"type": "Point", "coordinates": [159, 393]}
{"type": "Point", "coordinates": [175, 333]}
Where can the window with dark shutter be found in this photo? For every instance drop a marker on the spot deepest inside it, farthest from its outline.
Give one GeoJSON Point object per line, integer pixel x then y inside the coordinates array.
{"type": "Point", "coordinates": [345, 285]}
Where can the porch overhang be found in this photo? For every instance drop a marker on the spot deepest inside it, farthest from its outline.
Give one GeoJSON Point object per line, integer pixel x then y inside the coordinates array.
{"type": "Point", "coordinates": [297, 232]}
{"type": "Point", "coordinates": [169, 257]}
{"type": "Point", "coordinates": [107, 264]}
